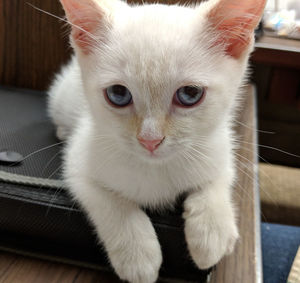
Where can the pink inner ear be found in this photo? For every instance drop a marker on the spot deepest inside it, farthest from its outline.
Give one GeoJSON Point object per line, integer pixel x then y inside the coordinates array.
{"type": "Point", "coordinates": [85, 17]}
{"type": "Point", "coordinates": [236, 21]}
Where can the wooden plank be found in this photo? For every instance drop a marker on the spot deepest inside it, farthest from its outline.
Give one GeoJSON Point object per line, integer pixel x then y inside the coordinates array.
{"type": "Point", "coordinates": [6, 262]}
{"type": "Point", "coordinates": [277, 43]}
{"type": "Point", "coordinates": [277, 52]}
{"type": "Point", "coordinates": [14, 269]}
{"type": "Point", "coordinates": [32, 44]}
{"type": "Point", "coordinates": [31, 270]}
{"type": "Point", "coordinates": [89, 276]}
{"type": "Point", "coordinates": [244, 265]}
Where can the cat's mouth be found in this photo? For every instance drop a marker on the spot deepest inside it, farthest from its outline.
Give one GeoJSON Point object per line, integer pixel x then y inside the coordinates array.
{"type": "Point", "coordinates": [162, 151]}
{"type": "Point", "coordinates": [152, 155]}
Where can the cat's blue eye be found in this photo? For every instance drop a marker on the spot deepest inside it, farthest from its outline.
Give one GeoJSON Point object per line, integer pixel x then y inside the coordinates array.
{"type": "Point", "coordinates": [189, 95]}
{"type": "Point", "coordinates": [118, 95]}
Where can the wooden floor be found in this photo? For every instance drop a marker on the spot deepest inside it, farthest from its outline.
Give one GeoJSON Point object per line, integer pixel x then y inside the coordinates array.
{"type": "Point", "coordinates": [19, 269]}
{"type": "Point", "coordinates": [22, 269]}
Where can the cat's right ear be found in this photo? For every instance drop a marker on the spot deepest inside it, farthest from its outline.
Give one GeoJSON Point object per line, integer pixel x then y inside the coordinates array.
{"type": "Point", "coordinates": [235, 21]}
{"type": "Point", "coordinates": [89, 19]}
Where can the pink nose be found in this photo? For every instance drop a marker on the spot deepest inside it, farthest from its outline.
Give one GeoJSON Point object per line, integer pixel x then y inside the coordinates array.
{"type": "Point", "coordinates": [151, 145]}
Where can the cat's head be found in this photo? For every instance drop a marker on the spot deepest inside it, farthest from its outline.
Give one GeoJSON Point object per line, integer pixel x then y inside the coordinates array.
{"type": "Point", "coordinates": [161, 79]}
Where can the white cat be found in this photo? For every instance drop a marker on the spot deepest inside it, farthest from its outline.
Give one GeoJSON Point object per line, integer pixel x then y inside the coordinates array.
{"type": "Point", "coordinates": [146, 105]}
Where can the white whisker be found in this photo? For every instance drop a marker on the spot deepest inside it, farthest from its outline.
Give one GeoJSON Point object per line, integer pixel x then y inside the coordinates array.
{"type": "Point", "coordinates": [42, 149]}
{"type": "Point", "coordinates": [63, 20]}
{"type": "Point", "coordinates": [274, 148]}
{"type": "Point", "coordinates": [251, 128]}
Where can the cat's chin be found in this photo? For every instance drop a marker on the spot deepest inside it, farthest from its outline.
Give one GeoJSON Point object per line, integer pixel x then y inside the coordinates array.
{"type": "Point", "coordinates": [155, 156]}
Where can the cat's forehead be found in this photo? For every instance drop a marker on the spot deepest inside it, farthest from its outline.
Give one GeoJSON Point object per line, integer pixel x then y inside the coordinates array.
{"type": "Point", "coordinates": [154, 50]}
{"type": "Point", "coordinates": [156, 41]}
{"type": "Point", "coordinates": [160, 14]}
{"type": "Point", "coordinates": [156, 21]}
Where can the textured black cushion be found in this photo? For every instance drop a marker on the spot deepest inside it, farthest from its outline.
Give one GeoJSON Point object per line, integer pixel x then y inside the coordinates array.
{"type": "Point", "coordinates": [38, 217]}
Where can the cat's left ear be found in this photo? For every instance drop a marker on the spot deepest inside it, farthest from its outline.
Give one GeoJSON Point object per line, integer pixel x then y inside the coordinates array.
{"type": "Point", "coordinates": [89, 19]}
{"type": "Point", "coordinates": [235, 21]}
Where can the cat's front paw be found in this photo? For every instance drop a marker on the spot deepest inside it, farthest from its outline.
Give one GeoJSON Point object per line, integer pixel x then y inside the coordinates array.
{"type": "Point", "coordinates": [137, 262]}
{"type": "Point", "coordinates": [208, 239]}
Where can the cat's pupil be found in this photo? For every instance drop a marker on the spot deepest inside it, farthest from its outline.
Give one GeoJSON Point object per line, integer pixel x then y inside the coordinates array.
{"type": "Point", "coordinates": [118, 95]}
{"type": "Point", "coordinates": [119, 90]}
{"type": "Point", "coordinates": [191, 91]}
{"type": "Point", "coordinates": [189, 95]}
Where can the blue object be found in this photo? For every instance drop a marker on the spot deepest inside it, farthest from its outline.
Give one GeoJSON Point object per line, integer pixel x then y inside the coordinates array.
{"type": "Point", "coordinates": [279, 247]}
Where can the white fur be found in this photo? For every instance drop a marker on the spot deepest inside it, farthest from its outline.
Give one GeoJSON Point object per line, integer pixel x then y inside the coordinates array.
{"type": "Point", "coordinates": [152, 50]}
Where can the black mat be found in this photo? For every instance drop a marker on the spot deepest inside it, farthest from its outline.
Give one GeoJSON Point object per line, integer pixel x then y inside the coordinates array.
{"type": "Point", "coordinates": [26, 129]}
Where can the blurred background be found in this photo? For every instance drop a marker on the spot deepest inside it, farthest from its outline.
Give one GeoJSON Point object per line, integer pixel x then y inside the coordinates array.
{"type": "Point", "coordinates": [282, 18]}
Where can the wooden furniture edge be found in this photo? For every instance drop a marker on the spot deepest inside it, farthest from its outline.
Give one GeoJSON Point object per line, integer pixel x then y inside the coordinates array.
{"type": "Point", "coordinates": [257, 207]}
{"type": "Point", "coordinates": [236, 268]}
{"type": "Point", "coordinates": [277, 52]}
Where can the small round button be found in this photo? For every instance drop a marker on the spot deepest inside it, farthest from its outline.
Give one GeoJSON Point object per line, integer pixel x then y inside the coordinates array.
{"type": "Point", "coordinates": [9, 157]}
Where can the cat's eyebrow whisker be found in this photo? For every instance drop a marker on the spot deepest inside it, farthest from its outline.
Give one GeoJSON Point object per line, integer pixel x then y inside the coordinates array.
{"type": "Point", "coordinates": [63, 20]}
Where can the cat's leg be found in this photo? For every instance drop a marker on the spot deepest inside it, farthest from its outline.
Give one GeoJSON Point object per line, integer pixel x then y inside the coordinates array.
{"type": "Point", "coordinates": [210, 223]}
{"type": "Point", "coordinates": [125, 230]}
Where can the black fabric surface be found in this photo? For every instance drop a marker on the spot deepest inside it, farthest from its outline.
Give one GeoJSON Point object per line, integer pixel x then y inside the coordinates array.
{"type": "Point", "coordinates": [25, 128]}
{"type": "Point", "coordinates": [43, 220]}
